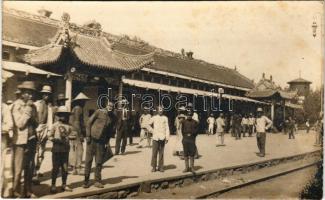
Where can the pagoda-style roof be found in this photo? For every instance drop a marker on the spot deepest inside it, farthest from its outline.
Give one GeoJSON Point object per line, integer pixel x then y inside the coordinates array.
{"type": "Point", "coordinates": [39, 31]}
{"type": "Point", "coordinates": [87, 47]}
{"type": "Point", "coordinates": [300, 80]}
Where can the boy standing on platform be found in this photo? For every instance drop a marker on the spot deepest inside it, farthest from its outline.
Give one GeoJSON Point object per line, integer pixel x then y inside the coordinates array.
{"type": "Point", "coordinates": [59, 135]}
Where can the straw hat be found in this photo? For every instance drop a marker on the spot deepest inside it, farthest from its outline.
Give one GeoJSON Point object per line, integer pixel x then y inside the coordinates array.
{"type": "Point", "coordinates": [259, 110]}
{"type": "Point", "coordinates": [27, 85]}
{"type": "Point", "coordinates": [46, 89]}
{"type": "Point", "coordinates": [81, 96]}
{"type": "Point", "coordinates": [62, 110]}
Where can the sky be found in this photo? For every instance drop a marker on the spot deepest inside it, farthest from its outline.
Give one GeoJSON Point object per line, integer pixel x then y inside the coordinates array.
{"type": "Point", "coordinates": [274, 38]}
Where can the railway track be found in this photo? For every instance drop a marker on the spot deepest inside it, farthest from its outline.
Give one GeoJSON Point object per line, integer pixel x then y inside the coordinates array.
{"type": "Point", "coordinates": [217, 192]}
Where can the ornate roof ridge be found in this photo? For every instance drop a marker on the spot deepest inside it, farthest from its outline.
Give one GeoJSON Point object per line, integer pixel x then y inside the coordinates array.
{"type": "Point", "coordinates": [30, 16]}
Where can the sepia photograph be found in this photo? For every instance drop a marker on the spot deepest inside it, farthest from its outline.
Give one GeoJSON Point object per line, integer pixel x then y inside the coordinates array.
{"type": "Point", "coordinates": [162, 100]}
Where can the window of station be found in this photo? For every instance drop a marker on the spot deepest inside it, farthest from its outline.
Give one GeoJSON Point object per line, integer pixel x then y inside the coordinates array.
{"type": "Point", "coordinates": [147, 77]}
{"type": "Point", "coordinates": [165, 80]}
{"type": "Point", "coordinates": [173, 82]}
{"type": "Point", "coordinates": [156, 79]}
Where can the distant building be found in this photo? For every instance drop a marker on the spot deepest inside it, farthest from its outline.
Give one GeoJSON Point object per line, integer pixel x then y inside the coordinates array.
{"type": "Point", "coordinates": [301, 85]}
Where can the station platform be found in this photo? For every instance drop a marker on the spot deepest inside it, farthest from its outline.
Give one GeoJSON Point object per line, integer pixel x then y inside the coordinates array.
{"type": "Point", "coordinates": [124, 173]}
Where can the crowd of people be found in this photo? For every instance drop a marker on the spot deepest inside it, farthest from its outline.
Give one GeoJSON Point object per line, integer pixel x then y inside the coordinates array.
{"type": "Point", "coordinates": [28, 126]}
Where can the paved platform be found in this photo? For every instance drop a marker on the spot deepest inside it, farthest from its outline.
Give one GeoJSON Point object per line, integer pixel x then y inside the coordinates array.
{"type": "Point", "coordinates": [134, 165]}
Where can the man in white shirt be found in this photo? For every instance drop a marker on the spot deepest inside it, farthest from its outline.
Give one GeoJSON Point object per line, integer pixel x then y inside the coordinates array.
{"type": "Point", "coordinates": [158, 126]}
{"type": "Point", "coordinates": [251, 122]}
{"type": "Point", "coordinates": [211, 120]}
{"type": "Point", "coordinates": [144, 134]}
{"type": "Point", "coordinates": [220, 129]}
{"type": "Point", "coordinates": [244, 124]}
{"type": "Point", "coordinates": [262, 124]}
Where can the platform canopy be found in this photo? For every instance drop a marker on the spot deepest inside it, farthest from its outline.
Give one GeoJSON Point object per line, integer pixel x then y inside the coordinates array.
{"type": "Point", "coordinates": [168, 88]}
{"type": "Point", "coordinates": [9, 66]}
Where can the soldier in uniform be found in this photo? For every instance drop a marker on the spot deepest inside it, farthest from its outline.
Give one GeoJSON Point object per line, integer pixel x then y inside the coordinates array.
{"type": "Point", "coordinates": [24, 139]}
{"type": "Point", "coordinates": [189, 131]}
{"type": "Point", "coordinates": [77, 122]}
{"type": "Point", "coordinates": [122, 127]}
{"type": "Point", "coordinates": [100, 128]}
{"type": "Point", "coordinates": [59, 135]}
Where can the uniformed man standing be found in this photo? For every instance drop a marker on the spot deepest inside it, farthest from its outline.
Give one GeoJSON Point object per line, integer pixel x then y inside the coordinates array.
{"type": "Point", "coordinates": [77, 122]}
{"type": "Point", "coordinates": [122, 127]}
{"type": "Point", "coordinates": [100, 128]}
{"type": "Point", "coordinates": [24, 139]}
{"type": "Point", "coordinates": [262, 124]}
{"type": "Point", "coordinates": [189, 132]}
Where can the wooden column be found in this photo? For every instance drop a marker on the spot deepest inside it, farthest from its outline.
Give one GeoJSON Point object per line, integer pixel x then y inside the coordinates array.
{"type": "Point", "coordinates": [120, 92]}
{"type": "Point", "coordinates": [68, 90]}
{"type": "Point", "coordinates": [272, 110]}
{"type": "Point", "coordinates": [284, 110]}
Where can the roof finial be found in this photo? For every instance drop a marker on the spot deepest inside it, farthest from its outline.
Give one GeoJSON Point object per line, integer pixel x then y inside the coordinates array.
{"type": "Point", "coordinates": [299, 73]}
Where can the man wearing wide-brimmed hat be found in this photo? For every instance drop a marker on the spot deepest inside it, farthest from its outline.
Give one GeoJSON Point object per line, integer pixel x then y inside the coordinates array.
{"type": "Point", "coordinates": [262, 124]}
{"type": "Point", "coordinates": [78, 125]}
{"type": "Point", "coordinates": [45, 119]}
{"type": "Point", "coordinates": [60, 134]}
{"type": "Point", "coordinates": [24, 139]}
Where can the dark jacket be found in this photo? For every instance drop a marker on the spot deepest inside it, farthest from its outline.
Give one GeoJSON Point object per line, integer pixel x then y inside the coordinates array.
{"type": "Point", "coordinates": [189, 128]}
{"type": "Point", "coordinates": [123, 122]}
{"type": "Point", "coordinates": [101, 125]}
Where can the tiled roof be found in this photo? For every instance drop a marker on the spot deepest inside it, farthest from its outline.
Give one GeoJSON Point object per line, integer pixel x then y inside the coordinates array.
{"type": "Point", "coordinates": [299, 80]}
{"type": "Point", "coordinates": [40, 31]}
{"type": "Point", "coordinates": [192, 68]}
{"type": "Point", "coordinates": [91, 51]}
{"type": "Point", "coordinates": [26, 31]}
{"type": "Point", "coordinates": [269, 92]}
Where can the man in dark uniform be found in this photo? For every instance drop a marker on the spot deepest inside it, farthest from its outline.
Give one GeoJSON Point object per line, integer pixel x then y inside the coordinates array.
{"type": "Point", "coordinates": [100, 128]}
{"type": "Point", "coordinates": [122, 127]}
{"type": "Point", "coordinates": [189, 132]}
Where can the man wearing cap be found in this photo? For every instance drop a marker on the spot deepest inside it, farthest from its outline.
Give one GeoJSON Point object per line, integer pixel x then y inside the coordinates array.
{"type": "Point", "coordinates": [77, 122]}
{"type": "Point", "coordinates": [24, 139]}
{"type": "Point", "coordinates": [144, 134]}
{"type": "Point", "coordinates": [60, 134]}
{"type": "Point", "coordinates": [122, 126]}
{"type": "Point", "coordinates": [262, 124]}
{"type": "Point", "coordinates": [100, 128]}
{"type": "Point", "coordinates": [158, 126]}
{"type": "Point", "coordinates": [44, 113]}
{"type": "Point", "coordinates": [195, 117]}
{"type": "Point", "coordinates": [189, 132]}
